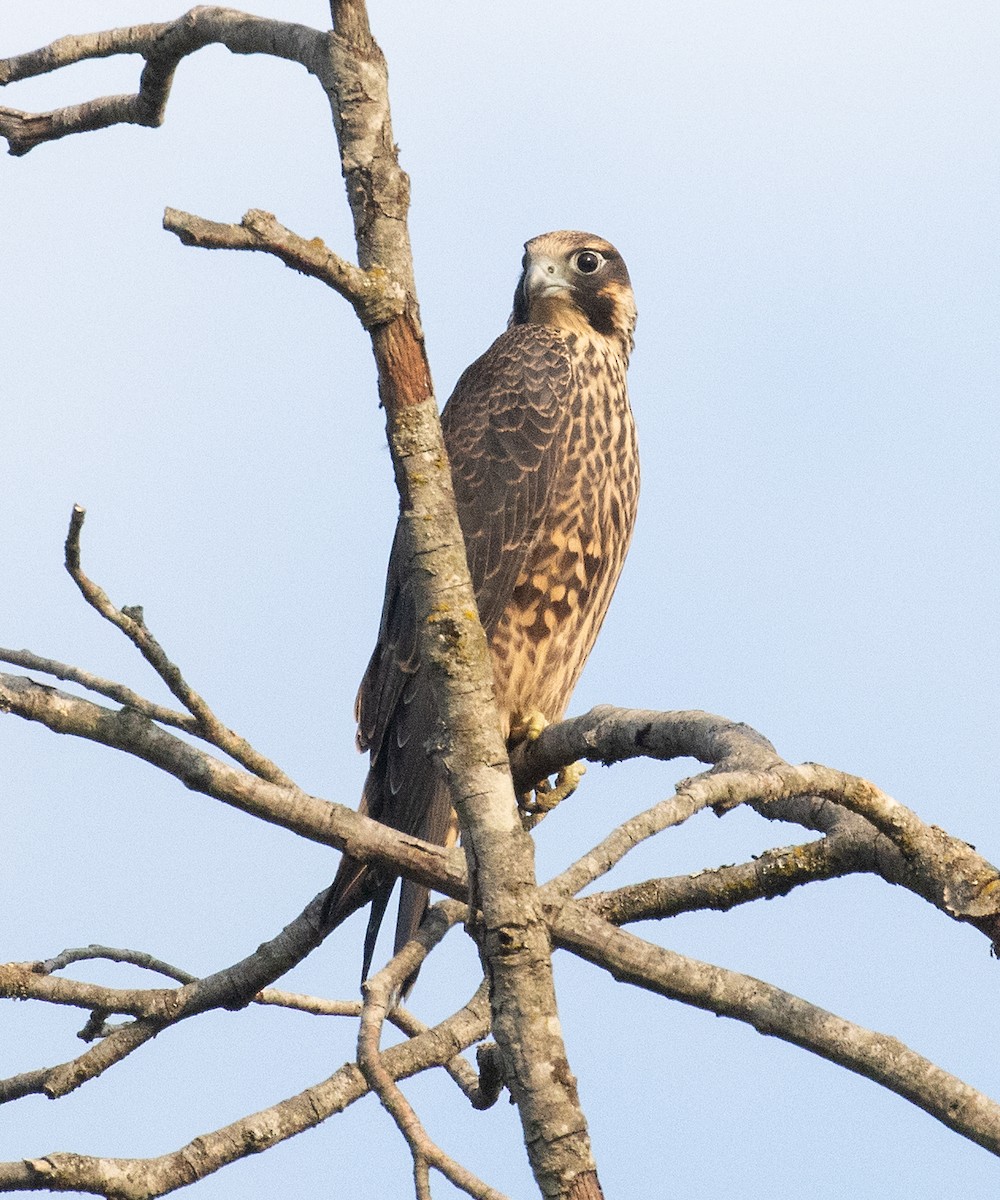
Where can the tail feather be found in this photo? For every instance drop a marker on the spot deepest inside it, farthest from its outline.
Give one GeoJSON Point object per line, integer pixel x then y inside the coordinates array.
{"type": "Point", "coordinates": [354, 886]}
{"type": "Point", "coordinates": [358, 883]}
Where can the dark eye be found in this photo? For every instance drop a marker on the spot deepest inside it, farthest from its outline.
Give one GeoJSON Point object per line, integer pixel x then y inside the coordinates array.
{"type": "Point", "coordinates": [588, 261]}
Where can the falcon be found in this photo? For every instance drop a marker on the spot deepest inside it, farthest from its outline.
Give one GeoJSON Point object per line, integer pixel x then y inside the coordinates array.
{"type": "Point", "coordinates": [545, 467]}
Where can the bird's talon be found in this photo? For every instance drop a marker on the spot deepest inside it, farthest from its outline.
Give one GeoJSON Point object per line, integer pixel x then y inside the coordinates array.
{"type": "Point", "coordinates": [547, 796]}
{"type": "Point", "coordinates": [567, 781]}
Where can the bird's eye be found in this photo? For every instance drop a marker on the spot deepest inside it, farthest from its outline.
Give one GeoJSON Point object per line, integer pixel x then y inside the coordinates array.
{"type": "Point", "coordinates": [588, 261]}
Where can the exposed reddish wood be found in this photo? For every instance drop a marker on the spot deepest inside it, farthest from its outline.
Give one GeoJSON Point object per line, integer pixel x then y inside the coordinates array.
{"type": "Point", "coordinates": [403, 374]}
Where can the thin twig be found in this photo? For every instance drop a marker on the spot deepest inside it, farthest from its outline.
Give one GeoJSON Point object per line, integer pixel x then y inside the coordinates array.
{"type": "Point", "coordinates": [269, 997]}
{"type": "Point", "coordinates": [673, 811]}
{"type": "Point", "coordinates": [132, 623]}
{"type": "Point", "coordinates": [102, 687]}
{"type": "Point", "coordinates": [135, 958]}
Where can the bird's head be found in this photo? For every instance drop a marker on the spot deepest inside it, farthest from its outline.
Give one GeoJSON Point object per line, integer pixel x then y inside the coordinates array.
{"type": "Point", "coordinates": [578, 282]}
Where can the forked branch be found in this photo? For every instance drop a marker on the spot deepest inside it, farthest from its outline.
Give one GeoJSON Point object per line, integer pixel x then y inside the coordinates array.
{"type": "Point", "coordinates": [154, 1009]}
{"type": "Point", "coordinates": [882, 835]}
{"type": "Point", "coordinates": [162, 45]}
{"type": "Point", "coordinates": [142, 1179]}
{"type": "Point", "coordinates": [380, 993]}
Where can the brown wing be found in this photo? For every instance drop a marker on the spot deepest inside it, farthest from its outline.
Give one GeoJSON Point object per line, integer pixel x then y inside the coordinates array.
{"type": "Point", "coordinates": [506, 430]}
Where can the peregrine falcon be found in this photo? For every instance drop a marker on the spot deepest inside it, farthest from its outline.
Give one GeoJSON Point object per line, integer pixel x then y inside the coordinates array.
{"type": "Point", "coordinates": [545, 467]}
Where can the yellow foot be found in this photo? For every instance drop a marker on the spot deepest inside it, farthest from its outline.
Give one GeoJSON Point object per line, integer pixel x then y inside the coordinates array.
{"type": "Point", "coordinates": [547, 795]}
{"type": "Point", "coordinates": [527, 727]}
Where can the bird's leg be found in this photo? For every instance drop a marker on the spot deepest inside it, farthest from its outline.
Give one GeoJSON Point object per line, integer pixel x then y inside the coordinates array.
{"type": "Point", "coordinates": [527, 727]}
{"type": "Point", "coordinates": [545, 796]}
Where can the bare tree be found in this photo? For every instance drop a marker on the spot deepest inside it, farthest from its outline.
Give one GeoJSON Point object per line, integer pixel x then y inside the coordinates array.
{"type": "Point", "coordinates": [516, 923]}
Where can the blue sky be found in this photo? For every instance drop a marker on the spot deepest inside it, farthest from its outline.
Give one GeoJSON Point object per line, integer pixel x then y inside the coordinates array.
{"type": "Point", "coordinates": [807, 198]}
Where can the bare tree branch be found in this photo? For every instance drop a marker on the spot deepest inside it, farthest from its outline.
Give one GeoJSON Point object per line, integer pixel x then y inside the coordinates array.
{"type": "Point", "coordinates": [131, 622]}
{"type": "Point", "coordinates": [34, 981]}
{"type": "Point", "coordinates": [103, 687]}
{"type": "Point", "coordinates": [63, 1078]}
{"type": "Point", "coordinates": [375, 298]}
{"type": "Point", "coordinates": [777, 1013]}
{"type": "Point", "coordinates": [233, 987]}
{"type": "Point", "coordinates": [142, 1179]}
{"type": "Point", "coordinates": [319, 820]}
{"type": "Point", "coordinates": [162, 45]}
{"type": "Point", "coordinates": [25, 981]}
{"type": "Point", "coordinates": [675, 810]}
{"type": "Point", "coordinates": [135, 958]}
{"type": "Point", "coordinates": [773, 873]}
{"type": "Point", "coordinates": [608, 735]}
{"type": "Point", "coordinates": [379, 994]}
{"type": "Point", "coordinates": [943, 869]}
{"type": "Point", "coordinates": [155, 1009]}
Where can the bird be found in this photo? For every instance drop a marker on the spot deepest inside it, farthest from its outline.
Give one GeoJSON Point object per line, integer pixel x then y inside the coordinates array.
{"type": "Point", "coordinates": [545, 467]}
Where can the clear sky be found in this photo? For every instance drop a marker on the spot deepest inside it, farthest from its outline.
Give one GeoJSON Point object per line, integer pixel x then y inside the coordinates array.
{"type": "Point", "coordinates": [807, 198]}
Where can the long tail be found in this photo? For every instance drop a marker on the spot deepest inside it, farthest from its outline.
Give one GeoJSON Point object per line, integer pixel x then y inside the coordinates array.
{"type": "Point", "coordinates": [356, 885]}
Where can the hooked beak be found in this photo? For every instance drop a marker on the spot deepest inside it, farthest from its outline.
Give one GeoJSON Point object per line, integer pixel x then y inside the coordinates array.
{"type": "Point", "coordinates": [544, 277]}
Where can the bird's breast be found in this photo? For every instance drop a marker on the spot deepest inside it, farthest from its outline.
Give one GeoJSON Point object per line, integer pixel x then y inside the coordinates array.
{"type": "Point", "coordinates": [572, 565]}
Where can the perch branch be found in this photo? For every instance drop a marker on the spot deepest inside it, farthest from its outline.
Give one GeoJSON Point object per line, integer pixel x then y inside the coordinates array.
{"type": "Point", "coordinates": [884, 836]}
{"type": "Point", "coordinates": [942, 869]}
{"type": "Point", "coordinates": [608, 735]}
